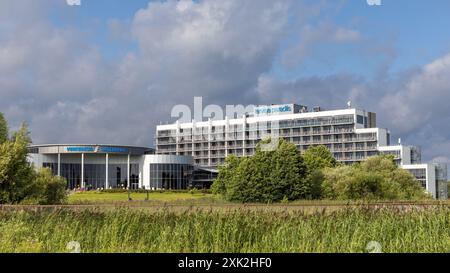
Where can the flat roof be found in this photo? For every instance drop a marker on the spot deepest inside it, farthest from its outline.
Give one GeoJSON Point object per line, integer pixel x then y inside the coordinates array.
{"type": "Point", "coordinates": [255, 119]}
{"type": "Point", "coordinates": [87, 144]}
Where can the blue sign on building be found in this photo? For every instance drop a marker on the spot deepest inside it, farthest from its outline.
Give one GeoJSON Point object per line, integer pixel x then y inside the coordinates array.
{"type": "Point", "coordinates": [97, 149]}
{"type": "Point", "coordinates": [273, 110]}
{"type": "Point", "coordinates": [81, 149]}
{"type": "Point", "coordinates": [113, 150]}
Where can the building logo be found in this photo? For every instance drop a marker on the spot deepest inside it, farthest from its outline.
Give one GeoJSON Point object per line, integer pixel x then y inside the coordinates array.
{"type": "Point", "coordinates": [80, 149]}
{"type": "Point", "coordinates": [273, 110]}
{"type": "Point", "coordinates": [96, 149]}
{"type": "Point", "coordinates": [113, 150]}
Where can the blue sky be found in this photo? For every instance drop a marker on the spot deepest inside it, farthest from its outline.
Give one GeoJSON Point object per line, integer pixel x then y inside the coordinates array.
{"type": "Point", "coordinates": [83, 73]}
{"type": "Point", "coordinates": [413, 29]}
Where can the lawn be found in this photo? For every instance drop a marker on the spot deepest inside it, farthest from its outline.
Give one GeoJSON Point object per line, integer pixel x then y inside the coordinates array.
{"type": "Point", "coordinates": [119, 197]}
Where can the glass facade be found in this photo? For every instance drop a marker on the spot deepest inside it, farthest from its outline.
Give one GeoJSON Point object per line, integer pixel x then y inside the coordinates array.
{"type": "Point", "coordinates": [420, 175]}
{"type": "Point", "coordinates": [170, 176]}
{"type": "Point", "coordinates": [441, 181]}
{"type": "Point", "coordinates": [95, 175]}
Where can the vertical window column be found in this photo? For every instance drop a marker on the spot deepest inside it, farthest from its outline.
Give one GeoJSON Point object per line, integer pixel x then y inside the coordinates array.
{"type": "Point", "coordinates": [82, 171]}
{"type": "Point", "coordinates": [59, 164]}
{"type": "Point", "coordinates": [209, 140]}
{"type": "Point", "coordinates": [128, 172]}
{"type": "Point", "coordinates": [106, 172]}
{"type": "Point", "coordinates": [244, 127]}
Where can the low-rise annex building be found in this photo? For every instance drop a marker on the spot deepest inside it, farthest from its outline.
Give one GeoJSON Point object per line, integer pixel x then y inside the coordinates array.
{"type": "Point", "coordinates": [96, 166]}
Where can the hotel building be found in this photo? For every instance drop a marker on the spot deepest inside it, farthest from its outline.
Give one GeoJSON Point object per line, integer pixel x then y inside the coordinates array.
{"type": "Point", "coordinates": [351, 135]}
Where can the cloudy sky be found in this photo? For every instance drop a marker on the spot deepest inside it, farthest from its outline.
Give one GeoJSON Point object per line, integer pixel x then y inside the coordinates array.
{"type": "Point", "coordinates": [108, 71]}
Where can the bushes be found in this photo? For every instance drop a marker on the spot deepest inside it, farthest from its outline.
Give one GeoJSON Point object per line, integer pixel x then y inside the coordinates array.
{"type": "Point", "coordinates": [19, 182]}
{"type": "Point", "coordinates": [16, 175]}
{"type": "Point", "coordinates": [47, 189]}
{"type": "Point", "coordinates": [376, 178]}
{"type": "Point", "coordinates": [285, 174]}
{"type": "Point", "coordinates": [226, 172]}
{"type": "Point", "coordinates": [268, 176]}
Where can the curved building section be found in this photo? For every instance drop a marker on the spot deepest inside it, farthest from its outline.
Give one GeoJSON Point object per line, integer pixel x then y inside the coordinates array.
{"type": "Point", "coordinates": [167, 172]}
{"type": "Point", "coordinates": [92, 166]}
{"type": "Point", "coordinates": [103, 166]}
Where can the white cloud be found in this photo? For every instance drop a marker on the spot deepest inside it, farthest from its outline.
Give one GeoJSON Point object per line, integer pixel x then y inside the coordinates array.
{"type": "Point", "coordinates": [55, 79]}
{"type": "Point", "coordinates": [310, 36]}
{"type": "Point", "coordinates": [423, 100]}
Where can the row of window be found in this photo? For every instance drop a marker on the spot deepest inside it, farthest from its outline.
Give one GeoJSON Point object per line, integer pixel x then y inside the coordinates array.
{"type": "Point", "coordinates": [95, 175]}
{"type": "Point", "coordinates": [267, 125]}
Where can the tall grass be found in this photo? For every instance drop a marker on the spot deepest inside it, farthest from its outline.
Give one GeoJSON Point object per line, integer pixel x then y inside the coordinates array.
{"type": "Point", "coordinates": [127, 230]}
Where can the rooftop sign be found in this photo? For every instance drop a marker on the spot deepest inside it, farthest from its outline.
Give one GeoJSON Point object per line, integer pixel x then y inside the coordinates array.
{"type": "Point", "coordinates": [274, 110]}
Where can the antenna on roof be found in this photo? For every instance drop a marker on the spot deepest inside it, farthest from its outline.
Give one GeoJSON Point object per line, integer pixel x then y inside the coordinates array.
{"type": "Point", "coordinates": [349, 104]}
{"type": "Point", "coordinates": [399, 141]}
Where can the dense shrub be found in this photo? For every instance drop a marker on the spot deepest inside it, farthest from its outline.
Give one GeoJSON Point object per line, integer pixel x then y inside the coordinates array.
{"type": "Point", "coordinates": [376, 178]}
{"type": "Point", "coordinates": [317, 158]}
{"type": "Point", "coordinates": [19, 181]}
{"type": "Point", "coordinates": [285, 174]}
{"type": "Point", "coordinates": [16, 175]}
{"type": "Point", "coordinates": [47, 189]}
{"type": "Point", "coordinates": [268, 176]}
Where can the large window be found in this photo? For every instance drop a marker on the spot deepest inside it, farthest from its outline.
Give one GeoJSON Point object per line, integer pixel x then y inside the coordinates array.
{"type": "Point", "coordinates": [170, 176]}
{"type": "Point", "coordinates": [360, 119]}
{"type": "Point", "coordinates": [421, 175]}
{"type": "Point", "coordinates": [71, 172]}
{"type": "Point", "coordinates": [95, 175]}
{"type": "Point", "coordinates": [117, 175]}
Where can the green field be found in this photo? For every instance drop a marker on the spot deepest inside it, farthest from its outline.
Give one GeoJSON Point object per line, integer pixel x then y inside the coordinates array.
{"type": "Point", "coordinates": [131, 230]}
{"type": "Point", "coordinates": [197, 222]}
{"type": "Point", "coordinates": [94, 197]}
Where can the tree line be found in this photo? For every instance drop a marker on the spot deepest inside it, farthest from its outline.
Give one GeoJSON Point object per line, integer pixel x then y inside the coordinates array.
{"type": "Point", "coordinates": [286, 174]}
{"type": "Point", "coordinates": [20, 182]}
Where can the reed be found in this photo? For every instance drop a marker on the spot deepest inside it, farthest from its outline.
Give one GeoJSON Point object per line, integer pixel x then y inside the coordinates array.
{"type": "Point", "coordinates": [238, 230]}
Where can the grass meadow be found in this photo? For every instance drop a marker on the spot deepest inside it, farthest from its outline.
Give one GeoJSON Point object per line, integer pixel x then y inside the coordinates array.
{"type": "Point", "coordinates": [410, 229]}
{"type": "Point", "coordinates": [98, 197]}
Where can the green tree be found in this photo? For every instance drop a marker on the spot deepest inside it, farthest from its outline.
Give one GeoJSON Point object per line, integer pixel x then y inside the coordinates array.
{"type": "Point", "coordinates": [19, 181]}
{"type": "Point", "coordinates": [268, 176]}
{"type": "Point", "coordinates": [316, 159]}
{"type": "Point", "coordinates": [3, 129]}
{"type": "Point", "coordinates": [47, 189]}
{"type": "Point", "coordinates": [377, 178]}
{"type": "Point", "coordinates": [16, 174]}
{"type": "Point", "coordinates": [319, 157]}
{"type": "Point", "coordinates": [226, 172]}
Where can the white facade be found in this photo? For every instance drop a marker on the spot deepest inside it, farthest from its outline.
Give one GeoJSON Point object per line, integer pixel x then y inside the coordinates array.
{"type": "Point", "coordinates": [432, 176]}
{"type": "Point", "coordinates": [345, 132]}
{"type": "Point", "coordinates": [351, 135]}
{"type": "Point", "coordinates": [93, 166]}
